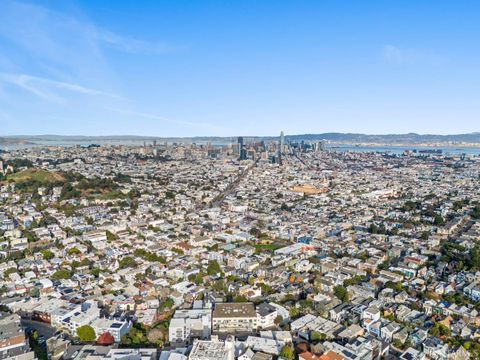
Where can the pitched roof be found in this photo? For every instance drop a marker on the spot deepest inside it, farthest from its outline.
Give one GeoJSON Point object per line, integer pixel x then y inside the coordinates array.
{"type": "Point", "coordinates": [105, 339]}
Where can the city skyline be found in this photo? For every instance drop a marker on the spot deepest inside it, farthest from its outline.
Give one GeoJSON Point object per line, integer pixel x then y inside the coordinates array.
{"type": "Point", "coordinates": [239, 180]}
{"type": "Point", "coordinates": [211, 68]}
{"type": "Point", "coordinates": [252, 250]}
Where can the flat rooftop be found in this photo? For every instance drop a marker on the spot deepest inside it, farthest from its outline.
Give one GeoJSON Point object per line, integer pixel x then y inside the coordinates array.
{"type": "Point", "coordinates": [234, 310]}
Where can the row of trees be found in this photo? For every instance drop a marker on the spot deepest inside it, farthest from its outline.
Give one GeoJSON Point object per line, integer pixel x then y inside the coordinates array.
{"type": "Point", "coordinates": [149, 256]}
{"type": "Point", "coordinates": [463, 258]}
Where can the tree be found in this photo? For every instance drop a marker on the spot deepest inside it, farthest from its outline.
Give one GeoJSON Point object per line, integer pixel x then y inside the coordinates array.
{"type": "Point", "coordinates": [73, 251]}
{"type": "Point", "coordinates": [354, 281]}
{"type": "Point", "coordinates": [278, 320]}
{"type": "Point", "coordinates": [476, 212]}
{"type": "Point", "coordinates": [341, 293]}
{"type": "Point", "coordinates": [136, 337]}
{"type": "Point", "coordinates": [266, 289]}
{"type": "Point", "coordinates": [240, 299]}
{"type": "Point", "coordinates": [439, 330]}
{"type": "Point", "coordinates": [306, 304]}
{"type": "Point", "coordinates": [397, 286]}
{"type": "Point", "coordinates": [31, 237]}
{"type": "Point", "coordinates": [127, 262]}
{"type": "Point", "coordinates": [47, 254]}
{"type": "Point", "coordinates": [438, 220]}
{"type": "Point", "coordinates": [96, 272]}
{"type": "Point", "coordinates": [170, 195]}
{"type": "Point", "coordinates": [167, 304]}
{"type": "Point", "coordinates": [316, 336]}
{"type": "Point", "coordinates": [40, 352]}
{"type": "Point", "coordinates": [149, 256]}
{"type": "Point", "coordinates": [397, 343]}
{"type": "Point", "coordinates": [9, 271]}
{"type": "Point", "coordinates": [294, 312]}
{"type": "Point", "coordinates": [213, 268]}
{"type": "Point", "coordinates": [61, 274]}
{"type": "Point", "coordinates": [410, 205]}
{"type": "Point", "coordinates": [140, 276]}
{"type": "Point", "coordinates": [284, 207]}
{"type": "Point", "coordinates": [196, 278]}
{"type": "Point", "coordinates": [86, 333]}
{"type": "Point", "coordinates": [69, 192]}
{"type": "Point", "coordinates": [384, 265]}
{"type": "Point", "coordinates": [254, 231]}
{"type": "Point", "coordinates": [474, 257]}
{"type": "Point", "coordinates": [288, 352]}
{"type": "Point", "coordinates": [111, 236]}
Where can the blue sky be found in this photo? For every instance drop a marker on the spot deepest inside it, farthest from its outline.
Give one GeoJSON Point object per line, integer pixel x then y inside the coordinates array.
{"type": "Point", "coordinates": [239, 67]}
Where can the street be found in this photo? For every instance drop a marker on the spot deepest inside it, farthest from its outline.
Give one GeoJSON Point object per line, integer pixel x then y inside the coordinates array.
{"type": "Point", "coordinates": [43, 329]}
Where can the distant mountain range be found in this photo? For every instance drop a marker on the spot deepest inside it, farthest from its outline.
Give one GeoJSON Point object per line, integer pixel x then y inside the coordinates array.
{"type": "Point", "coordinates": [12, 141]}
{"type": "Point", "coordinates": [410, 138]}
{"type": "Point", "coordinates": [345, 138]}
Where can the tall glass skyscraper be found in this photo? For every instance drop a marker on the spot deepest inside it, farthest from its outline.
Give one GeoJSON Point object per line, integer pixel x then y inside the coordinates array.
{"type": "Point", "coordinates": [242, 151]}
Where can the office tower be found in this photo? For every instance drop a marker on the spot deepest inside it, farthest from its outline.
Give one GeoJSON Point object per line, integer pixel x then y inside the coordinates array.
{"type": "Point", "coordinates": [240, 144]}
{"type": "Point", "coordinates": [280, 148]}
{"type": "Point", "coordinates": [242, 150]}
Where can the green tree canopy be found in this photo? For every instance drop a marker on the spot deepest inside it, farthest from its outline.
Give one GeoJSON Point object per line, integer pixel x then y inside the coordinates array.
{"type": "Point", "coordinates": [61, 274]}
{"type": "Point", "coordinates": [86, 333]}
{"type": "Point", "coordinates": [288, 352]}
{"type": "Point", "coordinates": [73, 251]}
{"type": "Point", "coordinates": [213, 268]}
{"type": "Point", "coordinates": [9, 271]}
{"type": "Point", "coordinates": [111, 236]}
{"type": "Point", "coordinates": [127, 262]}
{"type": "Point", "coordinates": [439, 330]}
{"type": "Point", "coordinates": [47, 254]}
{"type": "Point", "coordinates": [341, 293]}
{"type": "Point", "coordinates": [316, 336]}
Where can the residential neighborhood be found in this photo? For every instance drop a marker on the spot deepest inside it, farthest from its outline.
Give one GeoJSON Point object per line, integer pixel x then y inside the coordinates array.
{"type": "Point", "coordinates": [252, 250]}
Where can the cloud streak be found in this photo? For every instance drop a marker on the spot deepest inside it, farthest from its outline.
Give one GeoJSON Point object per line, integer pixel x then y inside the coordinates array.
{"type": "Point", "coordinates": [60, 58]}
{"type": "Point", "coordinates": [23, 23]}
{"type": "Point", "coordinates": [47, 89]}
{"type": "Point", "coordinates": [398, 56]}
{"type": "Point", "coordinates": [131, 45]}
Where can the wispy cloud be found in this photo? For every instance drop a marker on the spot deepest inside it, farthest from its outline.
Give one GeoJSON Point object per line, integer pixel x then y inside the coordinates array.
{"type": "Point", "coordinates": [47, 88]}
{"type": "Point", "coordinates": [58, 57]}
{"type": "Point", "coordinates": [64, 46]}
{"type": "Point", "coordinates": [131, 45]}
{"type": "Point", "coordinates": [23, 22]}
{"type": "Point", "coordinates": [145, 115]}
{"type": "Point", "coordinates": [23, 82]}
{"type": "Point", "coordinates": [399, 56]}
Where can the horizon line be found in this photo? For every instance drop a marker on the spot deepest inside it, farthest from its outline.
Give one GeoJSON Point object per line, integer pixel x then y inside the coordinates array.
{"type": "Point", "coordinates": [237, 135]}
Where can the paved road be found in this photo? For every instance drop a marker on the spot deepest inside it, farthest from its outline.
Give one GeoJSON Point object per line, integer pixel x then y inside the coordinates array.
{"type": "Point", "coordinates": [43, 329]}
{"type": "Point", "coordinates": [230, 188]}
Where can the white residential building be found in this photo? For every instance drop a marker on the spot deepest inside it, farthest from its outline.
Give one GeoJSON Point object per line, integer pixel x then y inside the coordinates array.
{"type": "Point", "coordinates": [213, 350]}
{"type": "Point", "coordinates": [189, 324]}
